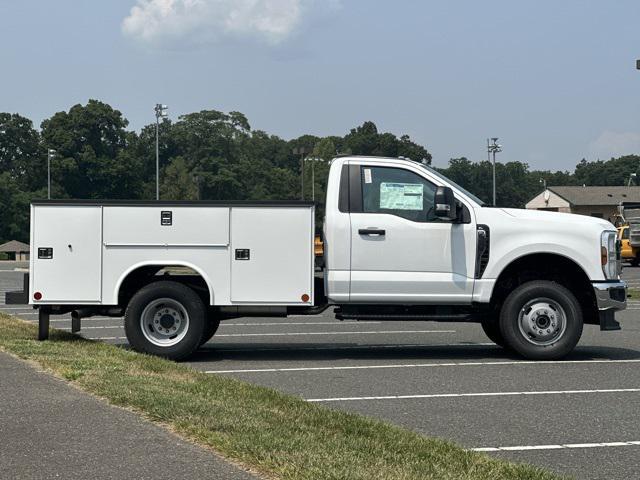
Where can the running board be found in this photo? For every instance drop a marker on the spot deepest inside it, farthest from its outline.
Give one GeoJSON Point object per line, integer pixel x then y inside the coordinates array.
{"type": "Point", "coordinates": [461, 317]}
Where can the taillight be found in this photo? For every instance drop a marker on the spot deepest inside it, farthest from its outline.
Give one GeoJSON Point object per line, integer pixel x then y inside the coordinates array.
{"type": "Point", "coordinates": [37, 296]}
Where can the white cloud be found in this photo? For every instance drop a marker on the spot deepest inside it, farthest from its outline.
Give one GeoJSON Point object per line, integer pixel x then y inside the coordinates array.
{"type": "Point", "coordinates": [209, 21]}
{"type": "Point", "coordinates": [614, 144]}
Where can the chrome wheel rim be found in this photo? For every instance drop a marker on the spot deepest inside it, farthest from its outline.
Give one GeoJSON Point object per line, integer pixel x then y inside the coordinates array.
{"type": "Point", "coordinates": [542, 321]}
{"type": "Point", "coordinates": [164, 322]}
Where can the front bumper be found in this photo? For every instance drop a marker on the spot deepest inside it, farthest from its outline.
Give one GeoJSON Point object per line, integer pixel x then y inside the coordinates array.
{"type": "Point", "coordinates": [610, 298]}
{"type": "Point", "coordinates": [611, 295]}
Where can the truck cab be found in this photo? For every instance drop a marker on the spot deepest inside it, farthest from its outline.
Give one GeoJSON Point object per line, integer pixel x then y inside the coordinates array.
{"type": "Point", "coordinates": [403, 241]}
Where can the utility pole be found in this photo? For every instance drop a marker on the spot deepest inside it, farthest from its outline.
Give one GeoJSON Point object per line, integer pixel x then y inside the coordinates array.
{"type": "Point", "coordinates": [301, 151]}
{"type": "Point", "coordinates": [50, 154]}
{"type": "Point", "coordinates": [492, 148]}
{"type": "Point", "coordinates": [161, 112]}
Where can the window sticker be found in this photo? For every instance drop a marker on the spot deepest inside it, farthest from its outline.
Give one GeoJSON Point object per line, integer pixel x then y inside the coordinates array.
{"type": "Point", "coordinates": [367, 175]}
{"type": "Point", "coordinates": [401, 196]}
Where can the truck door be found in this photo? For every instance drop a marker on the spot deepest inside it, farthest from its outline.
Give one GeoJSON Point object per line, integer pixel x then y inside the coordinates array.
{"type": "Point", "coordinates": [400, 251]}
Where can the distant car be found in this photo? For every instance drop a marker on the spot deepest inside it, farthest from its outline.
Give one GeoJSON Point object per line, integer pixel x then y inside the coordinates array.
{"type": "Point", "coordinates": [628, 253]}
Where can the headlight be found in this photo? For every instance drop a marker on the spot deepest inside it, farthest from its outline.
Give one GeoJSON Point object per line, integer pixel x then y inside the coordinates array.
{"type": "Point", "coordinates": [608, 256]}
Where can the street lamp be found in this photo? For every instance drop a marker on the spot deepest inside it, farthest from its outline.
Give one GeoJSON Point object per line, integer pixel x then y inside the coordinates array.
{"type": "Point", "coordinates": [301, 151]}
{"type": "Point", "coordinates": [161, 112]}
{"type": "Point", "coordinates": [50, 154]}
{"type": "Point", "coordinates": [631, 177]}
{"type": "Point", "coordinates": [493, 148]}
{"type": "Point", "coordinates": [543, 181]}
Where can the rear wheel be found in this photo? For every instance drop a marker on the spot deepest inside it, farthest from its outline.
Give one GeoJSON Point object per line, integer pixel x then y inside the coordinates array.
{"type": "Point", "coordinates": [210, 329]}
{"type": "Point", "coordinates": [165, 319]}
{"type": "Point", "coordinates": [541, 320]}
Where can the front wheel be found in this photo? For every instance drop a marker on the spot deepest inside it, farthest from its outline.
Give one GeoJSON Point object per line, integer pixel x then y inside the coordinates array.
{"type": "Point", "coordinates": [491, 328]}
{"type": "Point", "coordinates": [165, 319]}
{"type": "Point", "coordinates": [541, 320]}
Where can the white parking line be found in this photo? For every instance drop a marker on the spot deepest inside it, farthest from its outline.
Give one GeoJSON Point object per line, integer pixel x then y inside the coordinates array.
{"type": "Point", "coordinates": [423, 365]}
{"type": "Point", "coordinates": [523, 448]}
{"type": "Point", "coordinates": [291, 334]}
{"type": "Point", "coordinates": [476, 394]}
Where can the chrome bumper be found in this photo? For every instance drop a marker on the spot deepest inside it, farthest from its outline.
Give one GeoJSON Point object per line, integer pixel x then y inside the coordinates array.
{"type": "Point", "coordinates": [611, 295]}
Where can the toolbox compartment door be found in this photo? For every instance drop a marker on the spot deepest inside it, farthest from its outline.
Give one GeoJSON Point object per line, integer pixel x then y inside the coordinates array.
{"type": "Point", "coordinates": [66, 253]}
{"type": "Point", "coordinates": [272, 255]}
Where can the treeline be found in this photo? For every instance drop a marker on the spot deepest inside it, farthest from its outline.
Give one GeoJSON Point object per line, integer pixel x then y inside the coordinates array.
{"type": "Point", "coordinates": [215, 155]}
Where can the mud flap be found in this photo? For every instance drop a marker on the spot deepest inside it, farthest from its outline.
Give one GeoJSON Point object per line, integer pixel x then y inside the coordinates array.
{"type": "Point", "coordinates": [608, 321]}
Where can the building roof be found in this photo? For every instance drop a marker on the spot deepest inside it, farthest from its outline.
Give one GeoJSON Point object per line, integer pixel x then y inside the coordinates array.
{"type": "Point", "coordinates": [577, 195]}
{"type": "Point", "coordinates": [14, 246]}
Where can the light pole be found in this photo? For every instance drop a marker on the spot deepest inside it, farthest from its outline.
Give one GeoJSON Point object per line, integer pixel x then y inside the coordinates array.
{"type": "Point", "coordinates": [313, 161]}
{"type": "Point", "coordinates": [50, 154]}
{"type": "Point", "coordinates": [301, 151]}
{"type": "Point", "coordinates": [161, 112]}
{"type": "Point", "coordinates": [631, 177]}
{"type": "Point", "coordinates": [493, 148]}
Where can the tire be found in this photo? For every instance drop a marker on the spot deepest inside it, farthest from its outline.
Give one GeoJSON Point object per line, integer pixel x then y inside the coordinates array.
{"type": "Point", "coordinates": [491, 329]}
{"type": "Point", "coordinates": [541, 320]}
{"type": "Point", "coordinates": [166, 319]}
{"type": "Point", "coordinates": [210, 329]}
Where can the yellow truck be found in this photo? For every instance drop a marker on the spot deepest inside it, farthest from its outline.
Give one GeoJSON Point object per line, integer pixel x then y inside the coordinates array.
{"type": "Point", "coordinates": [628, 252]}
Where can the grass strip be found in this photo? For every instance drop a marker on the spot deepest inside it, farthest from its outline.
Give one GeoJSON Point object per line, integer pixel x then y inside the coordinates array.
{"type": "Point", "coordinates": [272, 433]}
{"type": "Point", "coordinates": [633, 293]}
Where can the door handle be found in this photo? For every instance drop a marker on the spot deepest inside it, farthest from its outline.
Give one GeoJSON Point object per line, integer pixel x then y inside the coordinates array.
{"type": "Point", "coordinates": [371, 231]}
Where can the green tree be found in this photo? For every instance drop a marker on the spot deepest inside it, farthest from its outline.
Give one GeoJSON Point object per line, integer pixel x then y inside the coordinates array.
{"type": "Point", "coordinates": [93, 159]}
{"type": "Point", "coordinates": [178, 182]}
{"type": "Point", "coordinates": [365, 140]}
{"type": "Point", "coordinates": [615, 171]}
{"type": "Point", "coordinates": [21, 152]}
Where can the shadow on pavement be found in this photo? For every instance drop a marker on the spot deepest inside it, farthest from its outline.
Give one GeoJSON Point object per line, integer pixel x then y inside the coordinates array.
{"type": "Point", "coordinates": [265, 352]}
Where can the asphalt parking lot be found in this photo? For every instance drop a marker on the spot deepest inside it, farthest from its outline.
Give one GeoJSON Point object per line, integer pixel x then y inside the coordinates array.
{"type": "Point", "coordinates": [577, 416]}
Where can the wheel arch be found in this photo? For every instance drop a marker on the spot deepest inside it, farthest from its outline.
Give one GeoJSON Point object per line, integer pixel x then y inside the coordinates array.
{"type": "Point", "coordinates": [137, 275]}
{"type": "Point", "coordinates": [548, 266]}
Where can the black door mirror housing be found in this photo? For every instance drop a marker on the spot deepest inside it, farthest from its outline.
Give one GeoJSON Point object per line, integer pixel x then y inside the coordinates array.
{"type": "Point", "coordinates": [446, 206]}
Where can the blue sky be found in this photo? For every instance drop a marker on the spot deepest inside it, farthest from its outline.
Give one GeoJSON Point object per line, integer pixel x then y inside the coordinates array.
{"type": "Point", "coordinates": [555, 80]}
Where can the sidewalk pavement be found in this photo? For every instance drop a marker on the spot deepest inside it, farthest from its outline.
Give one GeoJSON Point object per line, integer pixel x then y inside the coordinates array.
{"type": "Point", "coordinates": [49, 429]}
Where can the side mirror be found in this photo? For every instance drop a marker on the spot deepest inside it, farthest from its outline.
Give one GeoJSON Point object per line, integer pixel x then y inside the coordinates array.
{"type": "Point", "coordinates": [445, 204]}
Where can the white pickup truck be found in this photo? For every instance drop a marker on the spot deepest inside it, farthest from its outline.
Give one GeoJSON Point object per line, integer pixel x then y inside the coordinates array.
{"type": "Point", "coordinates": [402, 242]}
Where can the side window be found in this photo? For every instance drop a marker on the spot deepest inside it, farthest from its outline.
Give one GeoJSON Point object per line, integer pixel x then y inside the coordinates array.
{"type": "Point", "coordinates": [397, 192]}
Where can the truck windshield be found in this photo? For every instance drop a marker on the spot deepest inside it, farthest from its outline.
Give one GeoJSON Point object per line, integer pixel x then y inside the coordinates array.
{"type": "Point", "coordinates": [463, 190]}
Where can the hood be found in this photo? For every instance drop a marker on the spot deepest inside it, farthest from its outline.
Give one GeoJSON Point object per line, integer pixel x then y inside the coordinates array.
{"type": "Point", "coordinates": [555, 217]}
